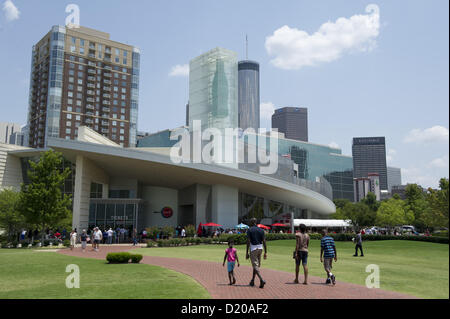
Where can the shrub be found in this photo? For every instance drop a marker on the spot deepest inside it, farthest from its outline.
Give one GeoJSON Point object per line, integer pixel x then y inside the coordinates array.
{"type": "Point", "coordinates": [66, 243]}
{"type": "Point", "coordinates": [190, 230]}
{"type": "Point", "coordinates": [136, 258]}
{"type": "Point", "coordinates": [168, 231]}
{"type": "Point", "coordinates": [118, 258]}
{"type": "Point", "coordinates": [152, 232]}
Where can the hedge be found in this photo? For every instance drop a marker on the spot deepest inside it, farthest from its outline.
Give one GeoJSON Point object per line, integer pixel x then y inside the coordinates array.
{"type": "Point", "coordinates": [123, 258]}
{"type": "Point", "coordinates": [241, 239]}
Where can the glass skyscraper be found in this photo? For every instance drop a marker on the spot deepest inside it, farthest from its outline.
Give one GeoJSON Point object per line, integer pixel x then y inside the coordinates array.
{"type": "Point", "coordinates": [369, 156]}
{"type": "Point", "coordinates": [248, 100]}
{"type": "Point", "coordinates": [213, 83]}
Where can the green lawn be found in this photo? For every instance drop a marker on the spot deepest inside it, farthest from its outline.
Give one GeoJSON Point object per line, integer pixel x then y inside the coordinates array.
{"type": "Point", "coordinates": [416, 268]}
{"type": "Point", "coordinates": [28, 274]}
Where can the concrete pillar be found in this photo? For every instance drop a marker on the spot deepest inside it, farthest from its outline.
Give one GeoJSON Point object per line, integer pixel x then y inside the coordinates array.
{"type": "Point", "coordinates": [225, 205]}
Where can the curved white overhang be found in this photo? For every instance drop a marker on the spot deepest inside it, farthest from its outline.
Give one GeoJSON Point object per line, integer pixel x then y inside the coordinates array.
{"type": "Point", "coordinates": [158, 170]}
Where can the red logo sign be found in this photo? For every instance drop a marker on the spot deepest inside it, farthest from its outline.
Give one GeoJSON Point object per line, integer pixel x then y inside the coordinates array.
{"type": "Point", "coordinates": [167, 212]}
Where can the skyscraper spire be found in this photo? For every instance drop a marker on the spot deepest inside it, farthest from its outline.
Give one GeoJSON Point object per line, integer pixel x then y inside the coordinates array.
{"type": "Point", "coordinates": [246, 47]}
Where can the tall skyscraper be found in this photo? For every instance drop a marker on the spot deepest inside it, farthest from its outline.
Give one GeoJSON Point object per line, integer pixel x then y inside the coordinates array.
{"type": "Point", "coordinates": [292, 121]}
{"type": "Point", "coordinates": [79, 77]}
{"type": "Point", "coordinates": [369, 156]}
{"type": "Point", "coordinates": [213, 88]}
{"type": "Point", "coordinates": [7, 130]}
{"type": "Point", "coordinates": [248, 100]}
{"type": "Point", "coordinates": [394, 177]}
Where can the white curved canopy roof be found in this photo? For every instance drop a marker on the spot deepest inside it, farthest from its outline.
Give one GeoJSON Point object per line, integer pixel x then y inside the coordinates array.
{"type": "Point", "coordinates": [322, 222]}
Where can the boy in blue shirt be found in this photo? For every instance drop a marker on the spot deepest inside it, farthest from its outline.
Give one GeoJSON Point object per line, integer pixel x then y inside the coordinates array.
{"type": "Point", "coordinates": [327, 254]}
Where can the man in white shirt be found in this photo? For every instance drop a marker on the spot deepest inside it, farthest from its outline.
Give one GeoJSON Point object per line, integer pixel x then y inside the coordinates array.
{"type": "Point", "coordinates": [97, 238]}
{"type": "Point", "coordinates": [183, 233]}
{"type": "Point", "coordinates": [110, 236]}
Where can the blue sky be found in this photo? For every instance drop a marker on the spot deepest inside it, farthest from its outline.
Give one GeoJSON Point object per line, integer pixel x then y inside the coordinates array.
{"type": "Point", "coordinates": [386, 78]}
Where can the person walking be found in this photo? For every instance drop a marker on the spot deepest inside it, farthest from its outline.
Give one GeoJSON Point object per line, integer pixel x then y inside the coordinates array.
{"type": "Point", "coordinates": [73, 239]}
{"type": "Point", "coordinates": [83, 239]}
{"type": "Point", "coordinates": [327, 253]}
{"type": "Point", "coordinates": [358, 242]}
{"type": "Point", "coordinates": [135, 239]}
{"type": "Point", "coordinates": [231, 256]}
{"type": "Point", "coordinates": [97, 238]}
{"type": "Point", "coordinates": [110, 233]}
{"type": "Point", "coordinates": [301, 253]}
{"type": "Point", "coordinates": [255, 242]}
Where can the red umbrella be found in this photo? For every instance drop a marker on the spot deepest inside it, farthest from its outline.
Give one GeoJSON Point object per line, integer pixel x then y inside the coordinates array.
{"type": "Point", "coordinates": [212, 225]}
{"type": "Point", "coordinates": [263, 226]}
{"type": "Point", "coordinates": [279, 225]}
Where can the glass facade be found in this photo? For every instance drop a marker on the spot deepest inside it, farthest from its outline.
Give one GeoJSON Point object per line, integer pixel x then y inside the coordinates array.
{"type": "Point", "coordinates": [213, 84]}
{"type": "Point", "coordinates": [248, 99]}
{"type": "Point", "coordinates": [315, 163]}
{"type": "Point", "coordinates": [251, 206]}
{"type": "Point", "coordinates": [114, 213]}
{"type": "Point", "coordinates": [55, 81]}
{"type": "Point", "coordinates": [369, 156]}
{"type": "Point", "coordinates": [319, 161]}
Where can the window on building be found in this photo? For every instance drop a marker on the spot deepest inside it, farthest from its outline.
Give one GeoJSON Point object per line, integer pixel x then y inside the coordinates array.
{"type": "Point", "coordinates": [96, 190]}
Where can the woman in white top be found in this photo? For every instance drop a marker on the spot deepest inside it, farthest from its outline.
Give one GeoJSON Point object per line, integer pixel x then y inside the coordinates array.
{"type": "Point", "coordinates": [73, 239]}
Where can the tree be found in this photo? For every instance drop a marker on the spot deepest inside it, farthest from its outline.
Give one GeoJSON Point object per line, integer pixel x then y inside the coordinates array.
{"type": "Point", "coordinates": [392, 213]}
{"type": "Point", "coordinates": [11, 219]}
{"type": "Point", "coordinates": [438, 202]}
{"type": "Point", "coordinates": [41, 201]}
{"type": "Point", "coordinates": [340, 202]}
{"type": "Point", "coordinates": [371, 201]}
{"type": "Point", "coordinates": [359, 214]}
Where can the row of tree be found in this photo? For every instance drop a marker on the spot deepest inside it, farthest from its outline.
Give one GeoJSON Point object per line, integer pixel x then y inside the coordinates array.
{"type": "Point", "coordinates": [424, 210]}
{"type": "Point", "coordinates": [41, 203]}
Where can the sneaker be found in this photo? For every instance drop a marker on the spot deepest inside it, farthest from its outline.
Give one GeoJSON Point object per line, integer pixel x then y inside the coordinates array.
{"type": "Point", "coordinates": [252, 283]}
{"type": "Point", "coordinates": [328, 281]}
{"type": "Point", "coordinates": [261, 285]}
{"type": "Point", "coordinates": [362, 255]}
{"type": "Point", "coordinates": [355, 255]}
{"type": "Point", "coordinates": [333, 280]}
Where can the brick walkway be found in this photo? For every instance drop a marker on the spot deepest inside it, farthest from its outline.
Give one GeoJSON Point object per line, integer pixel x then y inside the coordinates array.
{"type": "Point", "coordinates": [279, 285]}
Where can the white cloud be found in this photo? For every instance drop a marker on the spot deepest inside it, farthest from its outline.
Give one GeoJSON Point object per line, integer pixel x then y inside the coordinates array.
{"type": "Point", "coordinates": [10, 11]}
{"type": "Point", "coordinates": [413, 175]}
{"type": "Point", "coordinates": [440, 162]}
{"type": "Point", "coordinates": [433, 134]}
{"type": "Point", "coordinates": [266, 110]}
{"type": "Point", "coordinates": [293, 48]}
{"type": "Point", "coordinates": [179, 70]}
{"type": "Point", "coordinates": [333, 145]}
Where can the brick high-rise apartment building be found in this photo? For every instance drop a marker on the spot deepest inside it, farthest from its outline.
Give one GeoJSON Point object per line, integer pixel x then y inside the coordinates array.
{"type": "Point", "coordinates": [79, 77]}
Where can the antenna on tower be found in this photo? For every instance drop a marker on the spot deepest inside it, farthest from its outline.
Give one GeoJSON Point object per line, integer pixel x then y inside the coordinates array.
{"type": "Point", "coordinates": [246, 47]}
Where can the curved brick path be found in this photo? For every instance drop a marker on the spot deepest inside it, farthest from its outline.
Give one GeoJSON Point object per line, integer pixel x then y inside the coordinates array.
{"type": "Point", "coordinates": [279, 285]}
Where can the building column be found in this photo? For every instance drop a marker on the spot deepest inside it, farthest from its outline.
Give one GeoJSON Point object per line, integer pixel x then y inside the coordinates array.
{"type": "Point", "coordinates": [225, 205]}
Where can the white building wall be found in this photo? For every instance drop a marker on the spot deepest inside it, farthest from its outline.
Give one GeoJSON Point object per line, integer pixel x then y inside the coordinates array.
{"type": "Point", "coordinates": [120, 183]}
{"type": "Point", "coordinates": [86, 173]}
{"type": "Point", "coordinates": [10, 167]}
{"type": "Point", "coordinates": [156, 198]}
{"type": "Point", "coordinates": [225, 205]}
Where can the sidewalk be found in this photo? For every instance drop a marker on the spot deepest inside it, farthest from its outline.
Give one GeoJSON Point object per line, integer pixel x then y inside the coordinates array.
{"type": "Point", "coordinates": [279, 284]}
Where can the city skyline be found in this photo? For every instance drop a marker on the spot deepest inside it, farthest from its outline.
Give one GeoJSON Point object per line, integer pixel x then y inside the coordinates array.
{"type": "Point", "coordinates": [405, 95]}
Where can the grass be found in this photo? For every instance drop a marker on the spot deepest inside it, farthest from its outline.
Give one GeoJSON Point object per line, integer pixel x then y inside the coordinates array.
{"type": "Point", "coordinates": [417, 268]}
{"type": "Point", "coordinates": [28, 274]}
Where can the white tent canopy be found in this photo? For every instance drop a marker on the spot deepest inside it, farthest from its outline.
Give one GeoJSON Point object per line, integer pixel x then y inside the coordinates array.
{"type": "Point", "coordinates": [322, 222]}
